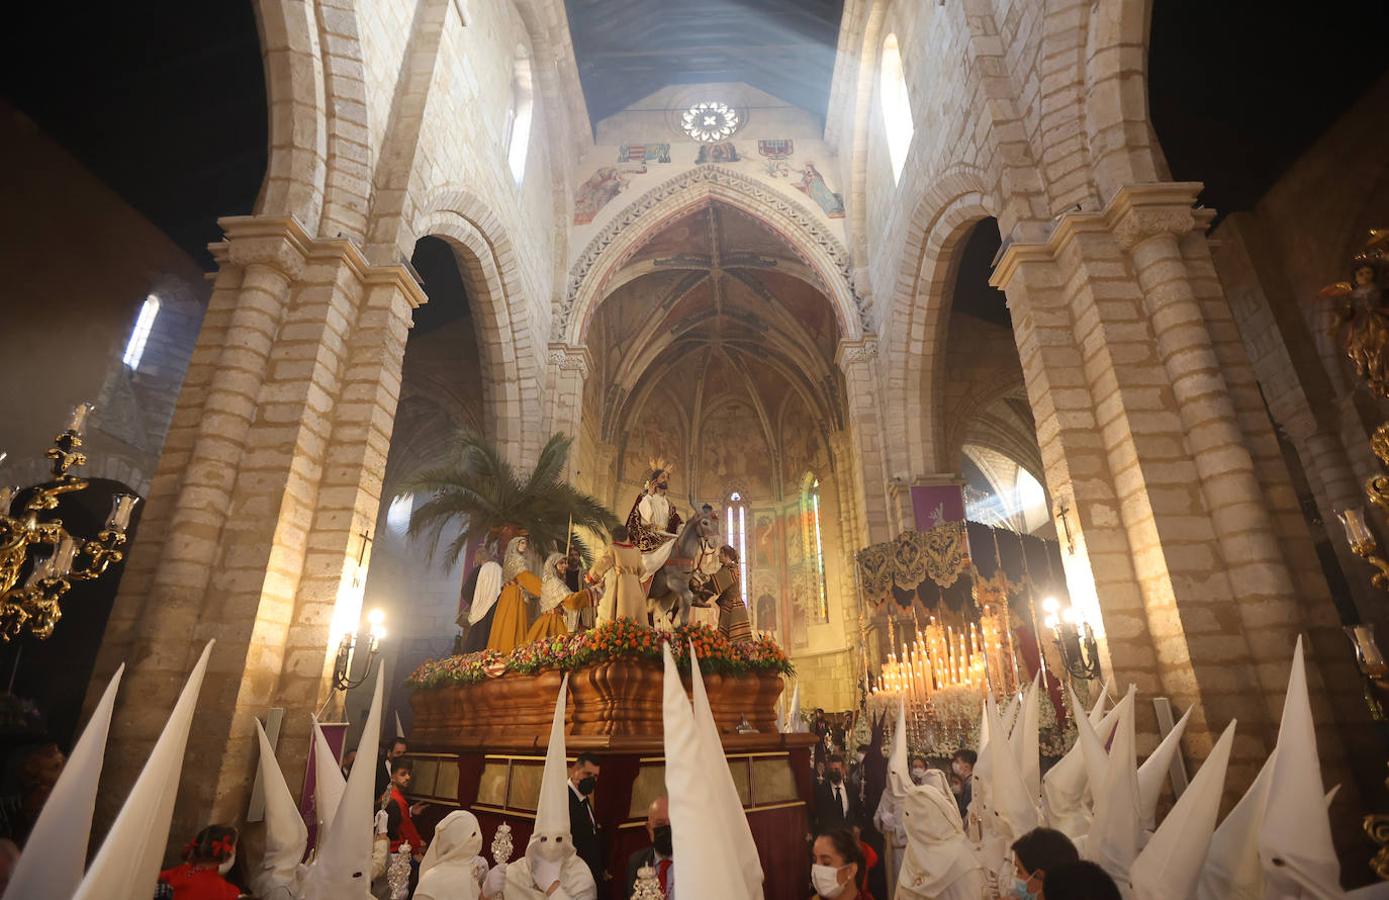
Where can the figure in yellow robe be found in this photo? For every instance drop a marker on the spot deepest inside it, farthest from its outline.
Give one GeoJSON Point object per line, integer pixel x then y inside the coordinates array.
{"type": "Point", "coordinates": [556, 599]}
{"type": "Point", "coordinates": [511, 622]}
{"type": "Point", "coordinates": [620, 568]}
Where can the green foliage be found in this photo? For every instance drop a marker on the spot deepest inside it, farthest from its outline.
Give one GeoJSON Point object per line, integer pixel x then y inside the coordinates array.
{"type": "Point", "coordinates": [478, 492]}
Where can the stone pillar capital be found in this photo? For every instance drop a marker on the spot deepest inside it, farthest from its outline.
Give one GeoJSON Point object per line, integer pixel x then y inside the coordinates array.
{"type": "Point", "coordinates": [1139, 212]}
{"type": "Point", "coordinates": [571, 358]}
{"type": "Point", "coordinates": [852, 353]}
{"type": "Point", "coordinates": [277, 242]}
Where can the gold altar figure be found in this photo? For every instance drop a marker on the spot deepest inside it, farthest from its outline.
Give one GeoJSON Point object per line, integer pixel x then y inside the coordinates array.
{"type": "Point", "coordinates": [1362, 316]}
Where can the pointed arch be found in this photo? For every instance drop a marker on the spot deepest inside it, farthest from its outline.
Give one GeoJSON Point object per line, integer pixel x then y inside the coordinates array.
{"type": "Point", "coordinates": [632, 226]}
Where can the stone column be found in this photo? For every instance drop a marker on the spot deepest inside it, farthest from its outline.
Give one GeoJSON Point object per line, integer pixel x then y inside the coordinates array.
{"type": "Point", "coordinates": [1168, 531]}
{"type": "Point", "coordinates": [265, 496]}
{"type": "Point", "coordinates": [858, 361]}
{"type": "Point", "coordinates": [569, 366]}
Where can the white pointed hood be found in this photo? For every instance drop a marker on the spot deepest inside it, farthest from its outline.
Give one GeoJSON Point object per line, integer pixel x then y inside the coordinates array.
{"type": "Point", "coordinates": [342, 860]}
{"type": "Point", "coordinates": [1097, 711]}
{"type": "Point", "coordinates": [286, 835]}
{"type": "Point", "coordinates": [899, 776]}
{"type": "Point", "coordinates": [1170, 865]}
{"type": "Point", "coordinates": [399, 728]}
{"type": "Point", "coordinates": [1063, 787]}
{"type": "Point", "coordinates": [1009, 798]}
{"type": "Point", "coordinates": [552, 814]}
{"type": "Point", "coordinates": [1008, 718]}
{"type": "Point", "coordinates": [1025, 740]}
{"type": "Point", "coordinates": [1115, 829]}
{"type": "Point", "coordinates": [793, 715]}
{"type": "Point", "coordinates": [56, 851]}
{"type": "Point", "coordinates": [1296, 829]}
{"type": "Point", "coordinates": [1153, 772]}
{"type": "Point", "coordinates": [1232, 870]}
{"type": "Point", "coordinates": [127, 865]}
{"type": "Point", "coordinates": [938, 854]}
{"type": "Point", "coordinates": [700, 832]}
{"type": "Point", "coordinates": [730, 804]}
{"type": "Point", "coordinates": [328, 781]}
{"type": "Point", "coordinates": [446, 873]}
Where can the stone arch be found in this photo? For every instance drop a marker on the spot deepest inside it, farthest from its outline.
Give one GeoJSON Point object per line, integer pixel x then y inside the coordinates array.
{"type": "Point", "coordinates": [919, 317]}
{"type": "Point", "coordinates": [347, 186]}
{"type": "Point", "coordinates": [625, 234]}
{"type": "Point", "coordinates": [1123, 146]}
{"type": "Point", "coordinates": [294, 82]}
{"type": "Point", "coordinates": [511, 369]}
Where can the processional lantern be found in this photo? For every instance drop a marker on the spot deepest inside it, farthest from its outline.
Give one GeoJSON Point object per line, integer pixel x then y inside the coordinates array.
{"type": "Point", "coordinates": [39, 557]}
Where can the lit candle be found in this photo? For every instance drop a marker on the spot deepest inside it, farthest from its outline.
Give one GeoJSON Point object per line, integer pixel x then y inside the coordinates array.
{"type": "Point", "coordinates": [1357, 532]}
{"type": "Point", "coordinates": [79, 418]}
{"type": "Point", "coordinates": [122, 505]}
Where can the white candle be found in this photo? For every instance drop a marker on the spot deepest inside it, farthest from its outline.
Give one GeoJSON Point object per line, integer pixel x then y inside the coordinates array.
{"type": "Point", "coordinates": [122, 505]}
{"type": "Point", "coordinates": [79, 417]}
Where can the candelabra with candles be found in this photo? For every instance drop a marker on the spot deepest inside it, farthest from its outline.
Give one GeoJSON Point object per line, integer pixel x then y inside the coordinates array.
{"type": "Point", "coordinates": [347, 651]}
{"type": "Point", "coordinates": [942, 675]}
{"type": "Point", "coordinates": [1075, 639]}
{"type": "Point", "coordinates": [33, 539]}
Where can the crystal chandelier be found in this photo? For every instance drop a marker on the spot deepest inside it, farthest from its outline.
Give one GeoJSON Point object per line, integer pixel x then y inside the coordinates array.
{"type": "Point", "coordinates": [34, 544]}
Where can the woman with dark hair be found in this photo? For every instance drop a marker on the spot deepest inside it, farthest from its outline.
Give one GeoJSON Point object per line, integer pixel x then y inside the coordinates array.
{"type": "Point", "coordinates": [209, 856]}
{"type": "Point", "coordinates": [839, 870]}
{"type": "Point", "coordinates": [1080, 880]}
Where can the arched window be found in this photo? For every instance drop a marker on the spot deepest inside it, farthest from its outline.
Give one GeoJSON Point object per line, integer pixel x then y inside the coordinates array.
{"type": "Point", "coordinates": [736, 534]}
{"type": "Point", "coordinates": [897, 107]}
{"type": "Point", "coordinates": [140, 334]}
{"type": "Point", "coordinates": [518, 136]}
{"type": "Point", "coordinates": [813, 540]}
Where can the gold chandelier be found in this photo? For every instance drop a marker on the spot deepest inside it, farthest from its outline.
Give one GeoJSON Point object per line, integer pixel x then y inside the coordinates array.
{"type": "Point", "coordinates": [33, 539]}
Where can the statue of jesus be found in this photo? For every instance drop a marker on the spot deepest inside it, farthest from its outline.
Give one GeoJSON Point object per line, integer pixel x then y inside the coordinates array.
{"type": "Point", "coordinates": [653, 522]}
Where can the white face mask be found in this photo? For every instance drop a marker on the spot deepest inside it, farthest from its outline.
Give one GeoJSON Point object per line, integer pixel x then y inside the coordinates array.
{"type": "Point", "coordinates": [825, 879]}
{"type": "Point", "coordinates": [226, 865]}
{"type": "Point", "coordinates": [918, 776]}
{"type": "Point", "coordinates": [551, 850]}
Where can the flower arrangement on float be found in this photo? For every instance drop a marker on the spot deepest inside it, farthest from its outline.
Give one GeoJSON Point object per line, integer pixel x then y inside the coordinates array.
{"type": "Point", "coordinates": [617, 640]}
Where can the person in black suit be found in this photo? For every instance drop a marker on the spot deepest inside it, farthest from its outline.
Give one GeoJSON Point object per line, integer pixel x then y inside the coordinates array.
{"type": "Point", "coordinates": [584, 829]}
{"type": "Point", "coordinates": [659, 856]}
{"type": "Point", "coordinates": [836, 806]}
{"type": "Point", "coordinates": [393, 751]}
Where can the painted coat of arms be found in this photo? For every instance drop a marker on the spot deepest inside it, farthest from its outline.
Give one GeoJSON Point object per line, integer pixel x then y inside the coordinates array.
{"type": "Point", "coordinates": [635, 153]}
{"type": "Point", "coordinates": [781, 148]}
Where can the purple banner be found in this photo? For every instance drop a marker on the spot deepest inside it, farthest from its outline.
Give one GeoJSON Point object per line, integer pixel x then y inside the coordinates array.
{"type": "Point", "coordinates": [933, 504]}
{"type": "Point", "coordinates": [336, 734]}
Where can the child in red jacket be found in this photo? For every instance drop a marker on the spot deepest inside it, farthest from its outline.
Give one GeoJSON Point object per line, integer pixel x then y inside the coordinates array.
{"type": "Point", "coordinates": [208, 857]}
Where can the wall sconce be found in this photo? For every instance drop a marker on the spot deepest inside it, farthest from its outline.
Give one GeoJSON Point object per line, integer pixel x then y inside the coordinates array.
{"type": "Point", "coordinates": [1362, 544]}
{"type": "Point", "coordinates": [347, 651]}
{"type": "Point", "coordinates": [1075, 639]}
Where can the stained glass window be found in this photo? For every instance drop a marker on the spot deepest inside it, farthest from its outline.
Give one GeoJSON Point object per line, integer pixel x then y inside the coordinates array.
{"type": "Point", "coordinates": [736, 535]}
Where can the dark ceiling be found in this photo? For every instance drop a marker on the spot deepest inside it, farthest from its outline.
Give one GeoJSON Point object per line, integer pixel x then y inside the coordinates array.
{"type": "Point", "coordinates": [165, 100]}
{"type": "Point", "coordinates": [627, 49]}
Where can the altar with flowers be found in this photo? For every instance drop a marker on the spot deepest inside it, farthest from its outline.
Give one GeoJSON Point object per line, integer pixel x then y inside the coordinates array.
{"type": "Point", "coordinates": [481, 722]}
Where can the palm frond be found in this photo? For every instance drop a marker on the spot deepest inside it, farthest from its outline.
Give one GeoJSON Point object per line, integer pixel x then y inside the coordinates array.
{"type": "Point", "coordinates": [478, 492]}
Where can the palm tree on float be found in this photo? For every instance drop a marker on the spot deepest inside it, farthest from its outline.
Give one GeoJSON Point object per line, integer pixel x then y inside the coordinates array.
{"type": "Point", "coordinates": [484, 496]}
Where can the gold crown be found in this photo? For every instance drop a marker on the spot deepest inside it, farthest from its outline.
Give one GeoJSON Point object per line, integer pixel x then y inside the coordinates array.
{"type": "Point", "coordinates": [659, 464]}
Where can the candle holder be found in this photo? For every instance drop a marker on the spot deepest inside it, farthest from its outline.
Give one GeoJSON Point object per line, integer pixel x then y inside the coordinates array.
{"type": "Point", "coordinates": [1373, 668]}
{"type": "Point", "coordinates": [1075, 639]}
{"type": "Point", "coordinates": [347, 651]}
{"type": "Point", "coordinates": [33, 541]}
{"type": "Point", "coordinates": [1362, 541]}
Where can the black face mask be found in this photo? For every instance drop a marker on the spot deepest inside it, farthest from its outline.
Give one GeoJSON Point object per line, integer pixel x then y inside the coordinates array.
{"type": "Point", "coordinates": [835, 777]}
{"type": "Point", "coordinates": [587, 784]}
{"type": "Point", "coordinates": [661, 841]}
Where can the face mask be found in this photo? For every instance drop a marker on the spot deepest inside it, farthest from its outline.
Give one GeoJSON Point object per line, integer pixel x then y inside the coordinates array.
{"type": "Point", "coordinates": [551, 850]}
{"type": "Point", "coordinates": [835, 777]}
{"type": "Point", "coordinates": [918, 776]}
{"type": "Point", "coordinates": [1021, 891]}
{"type": "Point", "coordinates": [226, 865]}
{"type": "Point", "coordinates": [661, 840]}
{"type": "Point", "coordinates": [587, 784]}
{"type": "Point", "coordinates": [825, 880]}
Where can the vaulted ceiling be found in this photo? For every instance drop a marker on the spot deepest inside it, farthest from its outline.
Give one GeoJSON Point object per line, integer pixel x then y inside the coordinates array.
{"type": "Point", "coordinates": [627, 49]}
{"type": "Point", "coordinates": [717, 295]}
